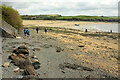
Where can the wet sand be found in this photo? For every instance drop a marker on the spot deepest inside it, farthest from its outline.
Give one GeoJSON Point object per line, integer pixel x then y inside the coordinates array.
{"type": "Point", "coordinates": [67, 53]}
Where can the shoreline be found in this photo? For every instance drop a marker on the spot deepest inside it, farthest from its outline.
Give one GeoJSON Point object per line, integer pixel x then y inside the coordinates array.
{"type": "Point", "coordinates": [69, 24]}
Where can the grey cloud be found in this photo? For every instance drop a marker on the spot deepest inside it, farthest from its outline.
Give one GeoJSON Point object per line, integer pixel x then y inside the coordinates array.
{"type": "Point", "coordinates": [66, 7]}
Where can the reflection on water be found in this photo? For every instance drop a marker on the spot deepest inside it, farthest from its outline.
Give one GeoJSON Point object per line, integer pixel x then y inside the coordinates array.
{"type": "Point", "coordinates": [99, 27]}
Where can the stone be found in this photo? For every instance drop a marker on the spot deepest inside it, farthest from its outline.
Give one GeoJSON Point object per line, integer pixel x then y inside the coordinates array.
{"type": "Point", "coordinates": [47, 46]}
{"type": "Point", "coordinates": [36, 65]}
{"type": "Point", "coordinates": [22, 47]}
{"type": "Point", "coordinates": [6, 64]}
{"type": "Point", "coordinates": [16, 70]}
{"type": "Point", "coordinates": [35, 60]}
{"type": "Point", "coordinates": [81, 46]}
{"type": "Point", "coordinates": [12, 56]}
{"type": "Point", "coordinates": [71, 48]}
{"type": "Point", "coordinates": [22, 51]}
{"type": "Point", "coordinates": [36, 49]}
{"type": "Point", "coordinates": [21, 55]}
{"type": "Point", "coordinates": [59, 49]}
{"type": "Point", "coordinates": [33, 56]}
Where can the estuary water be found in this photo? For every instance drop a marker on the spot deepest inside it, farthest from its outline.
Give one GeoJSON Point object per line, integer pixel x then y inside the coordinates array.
{"type": "Point", "coordinates": [100, 27]}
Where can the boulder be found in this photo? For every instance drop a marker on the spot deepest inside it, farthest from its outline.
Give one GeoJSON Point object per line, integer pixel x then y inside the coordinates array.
{"type": "Point", "coordinates": [35, 60]}
{"type": "Point", "coordinates": [6, 64]}
{"type": "Point", "coordinates": [22, 47]}
{"type": "Point", "coordinates": [36, 65]}
{"type": "Point", "coordinates": [22, 51]}
{"type": "Point", "coordinates": [33, 56]}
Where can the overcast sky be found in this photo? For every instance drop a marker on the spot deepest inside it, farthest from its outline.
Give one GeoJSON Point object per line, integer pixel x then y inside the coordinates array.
{"type": "Point", "coordinates": [65, 7]}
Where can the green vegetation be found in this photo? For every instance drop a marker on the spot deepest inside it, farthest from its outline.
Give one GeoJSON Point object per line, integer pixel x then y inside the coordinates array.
{"type": "Point", "coordinates": [11, 16]}
{"type": "Point", "coordinates": [70, 18]}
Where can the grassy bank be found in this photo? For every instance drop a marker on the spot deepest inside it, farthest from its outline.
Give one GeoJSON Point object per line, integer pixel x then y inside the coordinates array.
{"type": "Point", "coordinates": [70, 18]}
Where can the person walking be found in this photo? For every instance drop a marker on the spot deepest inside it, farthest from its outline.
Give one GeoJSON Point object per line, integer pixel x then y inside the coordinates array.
{"type": "Point", "coordinates": [28, 33]}
{"type": "Point", "coordinates": [25, 31]}
{"type": "Point", "coordinates": [45, 30]}
{"type": "Point", "coordinates": [37, 29]}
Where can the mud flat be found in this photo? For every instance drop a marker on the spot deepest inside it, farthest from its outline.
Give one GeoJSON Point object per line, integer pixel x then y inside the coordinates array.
{"type": "Point", "coordinates": [67, 53]}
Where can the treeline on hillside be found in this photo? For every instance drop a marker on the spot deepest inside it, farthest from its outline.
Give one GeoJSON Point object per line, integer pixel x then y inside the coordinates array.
{"type": "Point", "coordinates": [70, 18]}
{"type": "Point", "coordinates": [11, 16]}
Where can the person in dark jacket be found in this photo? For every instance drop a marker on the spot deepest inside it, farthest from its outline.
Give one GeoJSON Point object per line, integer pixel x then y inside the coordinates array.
{"type": "Point", "coordinates": [25, 31]}
{"type": "Point", "coordinates": [37, 29]}
{"type": "Point", "coordinates": [45, 30]}
{"type": "Point", "coordinates": [28, 33]}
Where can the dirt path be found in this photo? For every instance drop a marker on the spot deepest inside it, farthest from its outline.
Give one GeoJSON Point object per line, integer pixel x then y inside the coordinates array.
{"type": "Point", "coordinates": [65, 55]}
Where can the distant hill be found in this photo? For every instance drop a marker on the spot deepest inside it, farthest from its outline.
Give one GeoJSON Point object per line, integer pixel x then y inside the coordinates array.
{"type": "Point", "coordinates": [70, 18]}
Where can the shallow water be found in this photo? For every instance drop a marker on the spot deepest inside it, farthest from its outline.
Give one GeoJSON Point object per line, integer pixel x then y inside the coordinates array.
{"type": "Point", "coordinates": [100, 27]}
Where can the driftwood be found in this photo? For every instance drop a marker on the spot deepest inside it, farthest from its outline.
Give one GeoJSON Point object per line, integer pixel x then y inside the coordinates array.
{"type": "Point", "coordinates": [22, 60]}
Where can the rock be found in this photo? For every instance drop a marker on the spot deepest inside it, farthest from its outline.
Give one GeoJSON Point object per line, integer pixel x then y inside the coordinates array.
{"type": "Point", "coordinates": [12, 56]}
{"type": "Point", "coordinates": [89, 76]}
{"type": "Point", "coordinates": [71, 48]}
{"type": "Point", "coordinates": [7, 64]}
{"type": "Point", "coordinates": [23, 47]}
{"type": "Point", "coordinates": [36, 65]}
{"type": "Point", "coordinates": [21, 55]}
{"type": "Point", "coordinates": [22, 51]}
{"type": "Point", "coordinates": [63, 71]}
{"type": "Point", "coordinates": [35, 60]}
{"type": "Point", "coordinates": [87, 69]}
{"type": "Point", "coordinates": [80, 45]}
{"type": "Point", "coordinates": [36, 49]}
{"type": "Point", "coordinates": [59, 49]}
{"type": "Point", "coordinates": [77, 53]}
{"type": "Point", "coordinates": [33, 56]}
{"type": "Point", "coordinates": [16, 70]}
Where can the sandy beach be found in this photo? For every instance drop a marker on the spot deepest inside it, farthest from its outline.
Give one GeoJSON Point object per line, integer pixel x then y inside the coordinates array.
{"type": "Point", "coordinates": [67, 53]}
{"type": "Point", "coordinates": [58, 23]}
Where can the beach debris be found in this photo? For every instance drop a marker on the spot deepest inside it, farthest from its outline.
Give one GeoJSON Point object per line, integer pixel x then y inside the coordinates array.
{"type": "Point", "coordinates": [6, 64]}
